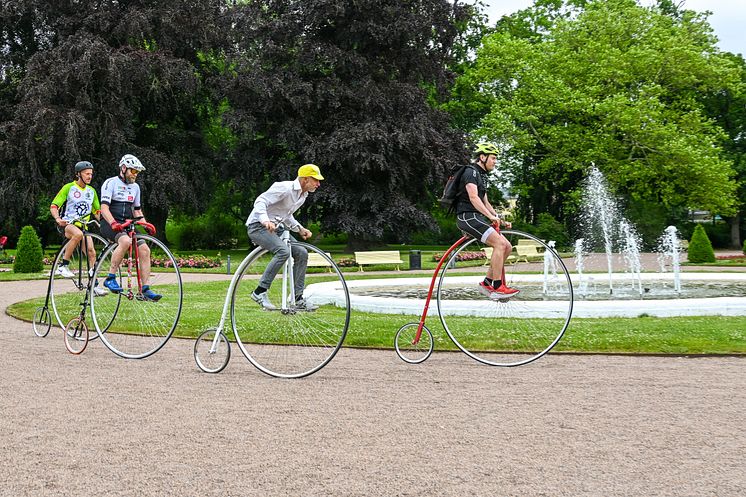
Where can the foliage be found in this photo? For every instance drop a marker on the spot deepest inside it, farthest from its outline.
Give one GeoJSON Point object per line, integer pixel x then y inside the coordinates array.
{"type": "Point", "coordinates": [345, 85]}
{"type": "Point", "coordinates": [28, 252]}
{"type": "Point", "coordinates": [728, 109]}
{"type": "Point", "coordinates": [597, 86]}
{"type": "Point", "coordinates": [548, 228]}
{"type": "Point", "coordinates": [94, 80]}
{"type": "Point", "coordinates": [700, 248]}
{"type": "Point", "coordinates": [743, 249]}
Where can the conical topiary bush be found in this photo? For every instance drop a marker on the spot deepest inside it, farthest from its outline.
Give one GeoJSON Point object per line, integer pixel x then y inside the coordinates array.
{"type": "Point", "coordinates": [700, 248]}
{"type": "Point", "coordinates": [29, 256]}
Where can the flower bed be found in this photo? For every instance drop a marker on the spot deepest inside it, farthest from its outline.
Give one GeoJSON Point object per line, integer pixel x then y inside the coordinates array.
{"type": "Point", "coordinates": [191, 261]}
{"type": "Point", "coordinates": [464, 256]}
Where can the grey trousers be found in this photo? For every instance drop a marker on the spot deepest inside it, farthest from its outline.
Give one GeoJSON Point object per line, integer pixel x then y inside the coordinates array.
{"type": "Point", "coordinates": [262, 237]}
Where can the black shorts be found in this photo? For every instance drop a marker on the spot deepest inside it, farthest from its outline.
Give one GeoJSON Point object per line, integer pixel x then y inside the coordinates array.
{"type": "Point", "coordinates": [475, 224]}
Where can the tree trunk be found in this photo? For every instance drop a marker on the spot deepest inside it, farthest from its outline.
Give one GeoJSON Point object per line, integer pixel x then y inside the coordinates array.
{"type": "Point", "coordinates": [735, 231]}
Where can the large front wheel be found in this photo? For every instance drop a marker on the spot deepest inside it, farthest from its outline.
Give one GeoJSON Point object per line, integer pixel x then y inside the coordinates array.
{"type": "Point", "coordinates": [292, 341]}
{"type": "Point", "coordinates": [136, 326]}
{"type": "Point", "coordinates": [509, 331]}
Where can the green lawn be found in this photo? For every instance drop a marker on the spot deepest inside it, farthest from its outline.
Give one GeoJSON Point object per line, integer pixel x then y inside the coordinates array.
{"type": "Point", "coordinates": [643, 335]}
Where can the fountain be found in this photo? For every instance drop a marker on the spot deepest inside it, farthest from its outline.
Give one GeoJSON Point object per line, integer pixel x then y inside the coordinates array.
{"type": "Point", "coordinates": [669, 247]}
{"type": "Point", "coordinates": [631, 251]}
{"type": "Point", "coordinates": [705, 294]}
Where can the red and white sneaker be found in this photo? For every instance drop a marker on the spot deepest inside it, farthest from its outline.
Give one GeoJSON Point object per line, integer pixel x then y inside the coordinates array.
{"type": "Point", "coordinates": [503, 292]}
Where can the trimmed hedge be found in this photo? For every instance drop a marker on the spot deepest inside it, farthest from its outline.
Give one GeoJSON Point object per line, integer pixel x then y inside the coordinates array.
{"type": "Point", "coordinates": [29, 255]}
{"type": "Point", "coordinates": [700, 248]}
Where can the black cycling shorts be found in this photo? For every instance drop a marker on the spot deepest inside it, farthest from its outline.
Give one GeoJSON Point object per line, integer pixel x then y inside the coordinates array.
{"type": "Point", "coordinates": [475, 224]}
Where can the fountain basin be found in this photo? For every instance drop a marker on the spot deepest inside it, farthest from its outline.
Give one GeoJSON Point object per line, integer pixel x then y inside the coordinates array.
{"type": "Point", "coordinates": [609, 307]}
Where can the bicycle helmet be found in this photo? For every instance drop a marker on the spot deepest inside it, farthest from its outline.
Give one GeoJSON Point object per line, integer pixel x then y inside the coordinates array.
{"type": "Point", "coordinates": [82, 166]}
{"type": "Point", "coordinates": [486, 148]}
{"type": "Point", "coordinates": [131, 162]}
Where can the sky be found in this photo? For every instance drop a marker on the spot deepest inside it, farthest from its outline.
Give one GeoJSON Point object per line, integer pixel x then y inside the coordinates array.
{"type": "Point", "coordinates": [728, 18]}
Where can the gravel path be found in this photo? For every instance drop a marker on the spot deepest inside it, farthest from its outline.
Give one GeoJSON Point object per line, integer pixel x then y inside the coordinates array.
{"type": "Point", "coordinates": [368, 424]}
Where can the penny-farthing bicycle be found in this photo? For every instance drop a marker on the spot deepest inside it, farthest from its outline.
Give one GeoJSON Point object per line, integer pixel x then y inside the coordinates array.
{"type": "Point", "coordinates": [131, 325]}
{"type": "Point", "coordinates": [506, 332]}
{"type": "Point", "coordinates": [288, 342]}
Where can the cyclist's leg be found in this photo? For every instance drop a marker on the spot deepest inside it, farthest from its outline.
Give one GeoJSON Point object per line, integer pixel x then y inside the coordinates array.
{"type": "Point", "coordinates": [91, 252]}
{"type": "Point", "coordinates": [501, 249]}
{"type": "Point", "coordinates": [271, 242]}
{"type": "Point", "coordinates": [300, 262]}
{"type": "Point", "coordinates": [75, 235]}
{"type": "Point", "coordinates": [143, 254]}
{"type": "Point", "coordinates": [123, 245]}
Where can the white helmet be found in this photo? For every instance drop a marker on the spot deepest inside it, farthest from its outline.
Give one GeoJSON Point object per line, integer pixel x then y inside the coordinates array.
{"type": "Point", "coordinates": [131, 162]}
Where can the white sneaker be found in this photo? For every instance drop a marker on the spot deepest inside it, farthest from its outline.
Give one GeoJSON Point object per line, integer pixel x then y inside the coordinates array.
{"type": "Point", "coordinates": [263, 300]}
{"type": "Point", "coordinates": [64, 271]}
{"type": "Point", "coordinates": [100, 292]}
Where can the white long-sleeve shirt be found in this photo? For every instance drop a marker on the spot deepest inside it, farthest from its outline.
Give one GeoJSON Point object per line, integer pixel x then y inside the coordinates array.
{"type": "Point", "coordinates": [278, 204]}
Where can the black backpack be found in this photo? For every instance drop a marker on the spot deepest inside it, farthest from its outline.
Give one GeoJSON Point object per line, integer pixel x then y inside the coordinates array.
{"type": "Point", "coordinates": [451, 192]}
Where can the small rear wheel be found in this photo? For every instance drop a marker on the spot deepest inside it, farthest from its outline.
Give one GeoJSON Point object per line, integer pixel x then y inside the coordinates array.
{"type": "Point", "coordinates": [66, 294]}
{"type": "Point", "coordinates": [76, 336]}
{"type": "Point", "coordinates": [410, 351]}
{"type": "Point", "coordinates": [42, 321]}
{"type": "Point", "coordinates": [212, 356]}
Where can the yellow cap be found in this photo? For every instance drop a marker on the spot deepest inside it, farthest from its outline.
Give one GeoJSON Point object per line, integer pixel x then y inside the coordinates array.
{"type": "Point", "coordinates": [310, 170]}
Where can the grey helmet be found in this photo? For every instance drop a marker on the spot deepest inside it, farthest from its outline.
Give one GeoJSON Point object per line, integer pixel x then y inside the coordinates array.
{"type": "Point", "coordinates": [82, 166]}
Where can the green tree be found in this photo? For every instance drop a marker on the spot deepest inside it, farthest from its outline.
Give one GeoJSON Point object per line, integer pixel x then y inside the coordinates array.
{"type": "Point", "coordinates": [29, 255]}
{"type": "Point", "coordinates": [728, 109]}
{"type": "Point", "coordinates": [614, 84]}
{"type": "Point", "coordinates": [700, 248]}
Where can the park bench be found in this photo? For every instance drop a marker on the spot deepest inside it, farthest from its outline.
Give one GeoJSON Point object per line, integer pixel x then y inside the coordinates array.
{"type": "Point", "coordinates": [378, 257]}
{"type": "Point", "coordinates": [521, 252]}
{"type": "Point", "coordinates": [315, 260]}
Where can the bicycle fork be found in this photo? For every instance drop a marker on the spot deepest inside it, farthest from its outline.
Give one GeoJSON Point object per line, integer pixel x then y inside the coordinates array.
{"type": "Point", "coordinates": [421, 324]}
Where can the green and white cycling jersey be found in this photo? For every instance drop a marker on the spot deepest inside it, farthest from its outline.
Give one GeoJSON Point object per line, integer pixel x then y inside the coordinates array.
{"type": "Point", "coordinates": [79, 202]}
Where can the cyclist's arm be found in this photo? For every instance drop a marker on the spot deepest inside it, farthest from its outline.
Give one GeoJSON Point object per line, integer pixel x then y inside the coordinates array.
{"type": "Point", "coordinates": [479, 204]}
{"type": "Point", "coordinates": [96, 206]}
{"type": "Point", "coordinates": [106, 213]}
{"type": "Point", "coordinates": [138, 213]}
{"type": "Point", "coordinates": [57, 202]}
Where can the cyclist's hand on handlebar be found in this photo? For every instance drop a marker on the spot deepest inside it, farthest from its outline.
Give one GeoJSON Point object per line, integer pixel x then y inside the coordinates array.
{"type": "Point", "coordinates": [61, 222]}
{"type": "Point", "coordinates": [270, 226]}
{"type": "Point", "coordinates": [148, 227]}
{"type": "Point", "coordinates": [116, 226]}
{"type": "Point", "coordinates": [305, 234]}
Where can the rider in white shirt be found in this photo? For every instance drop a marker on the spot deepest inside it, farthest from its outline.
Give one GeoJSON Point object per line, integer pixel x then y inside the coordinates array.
{"type": "Point", "coordinates": [120, 201]}
{"type": "Point", "coordinates": [277, 206]}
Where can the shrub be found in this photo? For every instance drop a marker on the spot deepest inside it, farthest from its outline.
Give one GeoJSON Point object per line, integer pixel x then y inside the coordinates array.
{"type": "Point", "coordinates": [548, 228]}
{"type": "Point", "coordinates": [743, 249]}
{"type": "Point", "coordinates": [700, 248]}
{"type": "Point", "coordinates": [28, 252]}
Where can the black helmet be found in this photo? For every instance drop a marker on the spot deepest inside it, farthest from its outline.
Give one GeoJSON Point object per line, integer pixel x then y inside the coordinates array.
{"type": "Point", "coordinates": [82, 166]}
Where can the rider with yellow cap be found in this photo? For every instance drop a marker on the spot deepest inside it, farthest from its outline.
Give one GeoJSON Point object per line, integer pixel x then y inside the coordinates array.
{"type": "Point", "coordinates": [274, 207]}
